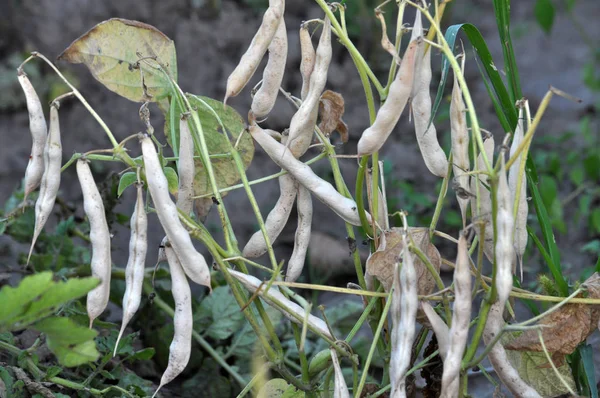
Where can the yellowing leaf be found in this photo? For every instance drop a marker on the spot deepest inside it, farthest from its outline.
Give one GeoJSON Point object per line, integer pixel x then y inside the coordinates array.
{"type": "Point", "coordinates": [534, 370]}
{"type": "Point", "coordinates": [113, 52]}
{"type": "Point", "coordinates": [381, 263]}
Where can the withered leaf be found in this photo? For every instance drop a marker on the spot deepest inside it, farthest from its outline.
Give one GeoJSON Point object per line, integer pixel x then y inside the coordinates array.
{"type": "Point", "coordinates": [381, 263]}
{"type": "Point", "coordinates": [331, 110]}
{"type": "Point", "coordinates": [566, 328]}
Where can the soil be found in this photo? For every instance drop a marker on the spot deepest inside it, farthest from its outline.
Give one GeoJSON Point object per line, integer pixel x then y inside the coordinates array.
{"type": "Point", "coordinates": [209, 43]}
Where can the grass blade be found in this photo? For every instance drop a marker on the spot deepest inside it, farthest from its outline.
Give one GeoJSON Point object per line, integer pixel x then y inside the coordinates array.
{"type": "Point", "coordinates": [587, 357]}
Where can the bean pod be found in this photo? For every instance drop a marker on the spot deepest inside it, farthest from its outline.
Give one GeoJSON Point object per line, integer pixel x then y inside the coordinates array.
{"type": "Point", "coordinates": [302, 238]}
{"type": "Point", "coordinates": [340, 389]}
{"type": "Point", "coordinates": [307, 59]}
{"type": "Point", "coordinates": [460, 148]}
{"type": "Point", "coordinates": [183, 325]}
{"type": "Point", "coordinates": [255, 52]}
{"type": "Point", "coordinates": [101, 263]}
{"type": "Point", "coordinates": [193, 263]}
{"type": "Point", "coordinates": [483, 214]}
{"type": "Point", "coordinates": [134, 271]}
{"type": "Point", "coordinates": [265, 97]}
{"type": "Point", "coordinates": [185, 168]}
{"type": "Point", "coordinates": [51, 177]}
{"type": "Point", "coordinates": [38, 130]}
{"type": "Point", "coordinates": [504, 250]}
{"type": "Point", "coordinates": [324, 191]}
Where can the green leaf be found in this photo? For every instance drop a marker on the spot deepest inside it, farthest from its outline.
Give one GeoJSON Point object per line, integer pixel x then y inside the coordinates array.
{"type": "Point", "coordinates": [224, 167]}
{"type": "Point", "coordinates": [15, 299]}
{"type": "Point", "coordinates": [72, 344]}
{"type": "Point", "coordinates": [587, 357]}
{"type": "Point", "coordinates": [548, 190]}
{"type": "Point", "coordinates": [279, 388]}
{"type": "Point", "coordinates": [592, 166]}
{"type": "Point", "coordinates": [225, 313]}
{"type": "Point", "coordinates": [126, 180]}
{"type": "Point", "coordinates": [58, 294]}
{"type": "Point", "coordinates": [595, 221]}
{"type": "Point", "coordinates": [143, 355]}
{"type": "Point", "coordinates": [6, 382]}
{"type": "Point", "coordinates": [172, 179]}
{"type": "Point", "coordinates": [544, 14]}
{"type": "Point", "coordinates": [577, 175]}
{"type": "Point", "coordinates": [112, 49]}
{"type": "Point", "coordinates": [502, 12]}
{"type": "Point", "coordinates": [534, 369]}
{"type": "Point", "coordinates": [52, 371]}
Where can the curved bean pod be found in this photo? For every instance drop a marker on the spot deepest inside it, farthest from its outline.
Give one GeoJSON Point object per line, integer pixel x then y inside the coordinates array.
{"type": "Point", "coordinates": [520, 233]}
{"type": "Point", "coordinates": [441, 330]}
{"type": "Point", "coordinates": [302, 239]}
{"type": "Point", "coordinates": [265, 97]}
{"type": "Point", "coordinates": [374, 137]}
{"type": "Point", "coordinates": [185, 168]}
{"type": "Point", "coordinates": [324, 191]}
{"type": "Point", "coordinates": [193, 263]}
{"type": "Point", "coordinates": [252, 284]}
{"type": "Point", "coordinates": [460, 147]}
{"type": "Point", "coordinates": [304, 120]}
{"type": "Point", "coordinates": [276, 220]}
{"type": "Point", "coordinates": [51, 177]}
{"type": "Point", "coordinates": [255, 52]}
{"type": "Point", "coordinates": [461, 318]}
{"type": "Point", "coordinates": [181, 346]}
{"type": "Point", "coordinates": [101, 263]}
{"type": "Point", "coordinates": [39, 132]}
{"type": "Point", "coordinates": [134, 271]}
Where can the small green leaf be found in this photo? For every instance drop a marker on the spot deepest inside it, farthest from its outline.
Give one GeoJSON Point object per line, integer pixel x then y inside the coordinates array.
{"type": "Point", "coordinates": [107, 375]}
{"type": "Point", "coordinates": [112, 50]}
{"type": "Point", "coordinates": [592, 166]}
{"type": "Point", "coordinates": [595, 221]}
{"type": "Point", "coordinates": [172, 179]}
{"type": "Point", "coordinates": [548, 190]}
{"type": "Point", "coordinates": [143, 355]}
{"type": "Point", "coordinates": [126, 180]}
{"type": "Point", "coordinates": [577, 175]}
{"type": "Point", "coordinates": [72, 344]}
{"type": "Point", "coordinates": [6, 382]}
{"type": "Point", "coordinates": [53, 371]}
{"type": "Point", "coordinates": [279, 388]}
{"type": "Point", "coordinates": [544, 14]}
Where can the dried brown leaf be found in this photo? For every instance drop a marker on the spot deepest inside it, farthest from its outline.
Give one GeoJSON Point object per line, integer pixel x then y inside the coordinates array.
{"type": "Point", "coordinates": [381, 263]}
{"type": "Point", "coordinates": [565, 328]}
{"type": "Point", "coordinates": [331, 110]}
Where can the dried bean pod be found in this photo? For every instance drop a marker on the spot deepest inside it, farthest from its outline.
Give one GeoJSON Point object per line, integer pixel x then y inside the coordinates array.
{"type": "Point", "coordinates": [265, 97]}
{"type": "Point", "coordinates": [520, 233]}
{"type": "Point", "coordinates": [405, 303]}
{"type": "Point", "coordinates": [460, 148]}
{"type": "Point", "coordinates": [193, 263]}
{"type": "Point", "coordinates": [374, 137]}
{"type": "Point", "coordinates": [134, 271]}
{"type": "Point", "coordinates": [340, 389]}
{"type": "Point", "coordinates": [252, 284]}
{"type": "Point", "coordinates": [302, 238]}
{"type": "Point", "coordinates": [441, 330]}
{"type": "Point", "coordinates": [433, 154]}
{"type": "Point", "coordinates": [324, 191]}
{"type": "Point", "coordinates": [39, 132]}
{"type": "Point", "coordinates": [461, 318]}
{"type": "Point", "coordinates": [307, 59]}
{"type": "Point", "coordinates": [185, 168]}
{"type": "Point", "coordinates": [101, 263]}
{"type": "Point", "coordinates": [51, 177]}
{"type": "Point", "coordinates": [181, 345]}
{"type": "Point", "coordinates": [255, 52]}
{"type": "Point", "coordinates": [485, 211]}
{"type": "Point", "coordinates": [504, 250]}
{"type": "Point", "coordinates": [304, 120]}
{"type": "Point", "coordinates": [276, 220]}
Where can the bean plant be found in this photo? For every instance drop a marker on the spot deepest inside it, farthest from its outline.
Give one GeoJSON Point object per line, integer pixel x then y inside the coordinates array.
{"type": "Point", "coordinates": [418, 323]}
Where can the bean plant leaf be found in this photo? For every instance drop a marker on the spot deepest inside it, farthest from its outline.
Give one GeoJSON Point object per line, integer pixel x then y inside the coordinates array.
{"type": "Point", "coordinates": [565, 328]}
{"type": "Point", "coordinates": [534, 370]}
{"type": "Point", "coordinates": [381, 263]}
{"type": "Point", "coordinates": [212, 114]}
{"type": "Point", "coordinates": [119, 53]}
{"type": "Point", "coordinates": [221, 313]}
{"type": "Point", "coordinates": [279, 388]}
{"type": "Point", "coordinates": [331, 110]}
{"type": "Point", "coordinates": [172, 179]}
{"type": "Point", "coordinates": [126, 180]}
{"type": "Point", "coordinates": [72, 344]}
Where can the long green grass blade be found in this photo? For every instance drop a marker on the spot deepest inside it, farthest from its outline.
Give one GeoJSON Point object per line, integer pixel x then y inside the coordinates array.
{"type": "Point", "coordinates": [502, 11]}
{"type": "Point", "coordinates": [587, 357]}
